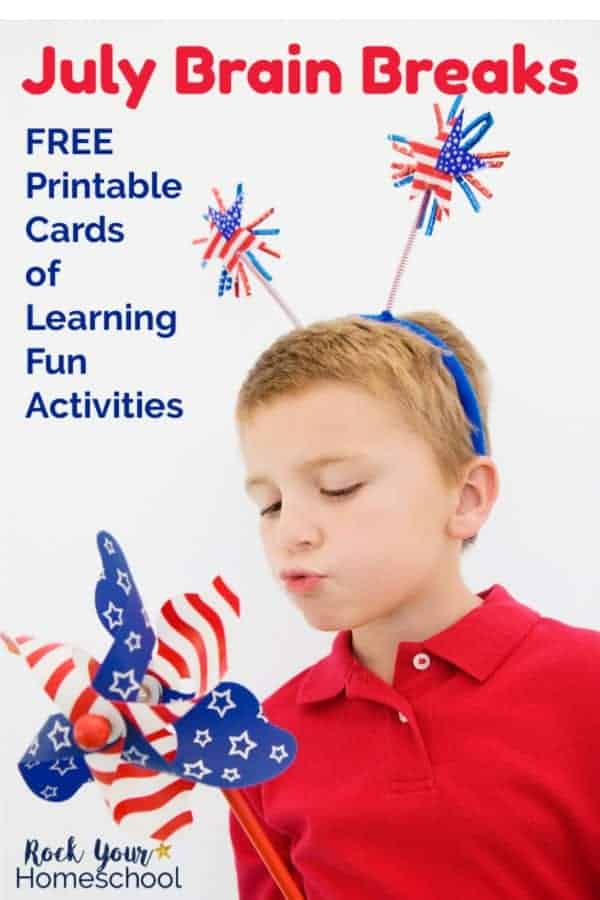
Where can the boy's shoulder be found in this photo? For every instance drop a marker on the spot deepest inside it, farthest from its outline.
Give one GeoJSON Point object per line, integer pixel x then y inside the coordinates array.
{"type": "Point", "coordinates": [574, 649]}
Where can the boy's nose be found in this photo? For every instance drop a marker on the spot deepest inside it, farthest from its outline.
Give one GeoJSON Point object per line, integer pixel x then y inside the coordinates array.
{"type": "Point", "coordinates": [297, 530]}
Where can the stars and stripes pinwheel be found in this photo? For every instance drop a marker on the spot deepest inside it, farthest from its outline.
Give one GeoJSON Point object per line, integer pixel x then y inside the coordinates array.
{"type": "Point", "coordinates": [432, 168]}
{"type": "Point", "coordinates": [155, 718]}
{"type": "Point", "coordinates": [236, 244]}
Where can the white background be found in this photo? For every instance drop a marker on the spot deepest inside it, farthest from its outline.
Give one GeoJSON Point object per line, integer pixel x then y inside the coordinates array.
{"type": "Point", "coordinates": [519, 278]}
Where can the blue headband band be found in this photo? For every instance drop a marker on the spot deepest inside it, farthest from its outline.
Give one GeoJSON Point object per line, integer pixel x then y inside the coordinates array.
{"type": "Point", "coordinates": [466, 393]}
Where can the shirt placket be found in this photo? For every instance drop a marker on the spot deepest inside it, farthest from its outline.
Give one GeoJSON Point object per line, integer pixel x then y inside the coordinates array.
{"type": "Point", "coordinates": [410, 763]}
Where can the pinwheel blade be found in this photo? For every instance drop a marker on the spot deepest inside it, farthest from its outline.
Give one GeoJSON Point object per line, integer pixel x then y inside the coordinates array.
{"type": "Point", "coordinates": [226, 741]}
{"type": "Point", "coordinates": [145, 794]}
{"type": "Point", "coordinates": [191, 654]}
{"type": "Point", "coordinates": [65, 674]}
{"type": "Point", "coordinates": [121, 612]}
{"type": "Point", "coordinates": [53, 767]}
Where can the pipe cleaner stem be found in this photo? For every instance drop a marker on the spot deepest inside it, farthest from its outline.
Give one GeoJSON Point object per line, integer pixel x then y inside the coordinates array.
{"type": "Point", "coordinates": [262, 845]}
{"type": "Point", "coordinates": [406, 252]}
{"type": "Point", "coordinates": [271, 290]}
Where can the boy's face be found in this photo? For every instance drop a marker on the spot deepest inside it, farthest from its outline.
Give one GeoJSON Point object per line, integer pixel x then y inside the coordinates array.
{"type": "Point", "coordinates": [345, 490]}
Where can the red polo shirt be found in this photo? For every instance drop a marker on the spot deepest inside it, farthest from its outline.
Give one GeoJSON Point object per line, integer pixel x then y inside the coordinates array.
{"type": "Point", "coordinates": [475, 776]}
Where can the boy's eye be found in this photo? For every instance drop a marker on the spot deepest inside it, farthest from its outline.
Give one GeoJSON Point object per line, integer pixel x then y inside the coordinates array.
{"type": "Point", "coordinates": [341, 492]}
{"type": "Point", "coordinates": [275, 507]}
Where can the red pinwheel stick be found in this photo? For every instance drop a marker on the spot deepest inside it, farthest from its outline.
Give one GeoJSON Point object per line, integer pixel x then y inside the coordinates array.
{"type": "Point", "coordinates": [262, 845]}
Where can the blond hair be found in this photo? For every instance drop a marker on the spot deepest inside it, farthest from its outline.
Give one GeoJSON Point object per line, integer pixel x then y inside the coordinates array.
{"type": "Point", "coordinates": [383, 359]}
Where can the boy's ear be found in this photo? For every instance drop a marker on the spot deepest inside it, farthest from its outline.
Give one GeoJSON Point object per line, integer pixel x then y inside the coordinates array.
{"type": "Point", "coordinates": [477, 494]}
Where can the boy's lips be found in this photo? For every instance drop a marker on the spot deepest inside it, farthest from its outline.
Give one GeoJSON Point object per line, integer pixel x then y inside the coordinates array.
{"type": "Point", "coordinates": [300, 580]}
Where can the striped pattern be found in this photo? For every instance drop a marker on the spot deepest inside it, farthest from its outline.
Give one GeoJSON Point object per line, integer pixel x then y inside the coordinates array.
{"type": "Point", "coordinates": [427, 177]}
{"type": "Point", "coordinates": [191, 652]}
{"type": "Point", "coordinates": [148, 718]}
{"type": "Point", "coordinates": [229, 249]}
{"type": "Point", "coordinates": [146, 802]}
{"type": "Point", "coordinates": [151, 804]}
{"type": "Point", "coordinates": [65, 675]}
{"type": "Point", "coordinates": [104, 764]}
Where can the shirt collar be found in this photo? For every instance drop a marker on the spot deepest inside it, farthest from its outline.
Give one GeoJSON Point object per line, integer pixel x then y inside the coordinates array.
{"type": "Point", "coordinates": [477, 644]}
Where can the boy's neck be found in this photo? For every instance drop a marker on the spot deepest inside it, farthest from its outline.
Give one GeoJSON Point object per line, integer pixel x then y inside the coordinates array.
{"type": "Point", "coordinates": [375, 643]}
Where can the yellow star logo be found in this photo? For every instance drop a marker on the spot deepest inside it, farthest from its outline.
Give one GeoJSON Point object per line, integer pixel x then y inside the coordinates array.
{"type": "Point", "coordinates": [163, 850]}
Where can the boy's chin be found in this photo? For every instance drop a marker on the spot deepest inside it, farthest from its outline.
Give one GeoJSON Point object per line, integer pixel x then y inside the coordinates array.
{"type": "Point", "coordinates": [323, 620]}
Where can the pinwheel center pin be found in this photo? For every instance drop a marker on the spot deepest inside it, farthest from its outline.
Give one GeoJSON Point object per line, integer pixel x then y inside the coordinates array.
{"type": "Point", "coordinates": [91, 732]}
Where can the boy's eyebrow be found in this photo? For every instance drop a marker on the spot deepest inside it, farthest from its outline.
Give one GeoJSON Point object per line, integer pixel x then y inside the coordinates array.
{"type": "Point", "coordinates": [313, 463]}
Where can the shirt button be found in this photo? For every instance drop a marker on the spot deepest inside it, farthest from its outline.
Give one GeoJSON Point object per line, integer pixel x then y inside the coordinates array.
{"type": "Point", "coordinates": [402, 717]}
{"type": "Point", "coordinates": [421, 661]}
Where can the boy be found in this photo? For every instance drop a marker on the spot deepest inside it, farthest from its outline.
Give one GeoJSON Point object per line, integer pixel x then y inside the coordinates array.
{"type": "Point", "coordinates": [449, 745]}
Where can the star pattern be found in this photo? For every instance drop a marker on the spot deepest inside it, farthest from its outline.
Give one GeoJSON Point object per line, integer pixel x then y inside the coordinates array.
{"type": "Point", "coordinates": [124, 581]}
{"type": "Point", "coordinates": [278, 753]}
{"type": "Point", "coordinates": [128, 676]}
{"type": "Point", "coordinates": [133, 641]}
{"type": "Point", "coordinates": [59, 735]}
{"type": "Point", "coordinates": [49, 792]}
{"type": "Point", "coordinates": [249, 744]}
{"type": "Point", "coordinates": [135, 757]}
{"type": "Point", "coordinates": [113, 615]}
{"type": "Point", "coordinates": [221, 709]}
{"type": "Point", "coordinates": [227, 221]}
{"type": "Point", "coordinates": [196, 770]}
{"type": "Point", "coordinates": [109, 546]}
{"type": "Point", "coordinates": [202, 737]}
{"type": "Point", "coordinates": [452, 158]}
{"type": "Point", "coordinates": [62, 766]}
{"type": "Point", "coordinates": [226, 731]}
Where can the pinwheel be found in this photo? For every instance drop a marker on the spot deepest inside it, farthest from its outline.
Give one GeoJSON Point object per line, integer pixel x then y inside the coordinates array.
{"type": "Point", "coordinates": [237, 245]}
{"type": "Point", "coordinates": [155, 718]}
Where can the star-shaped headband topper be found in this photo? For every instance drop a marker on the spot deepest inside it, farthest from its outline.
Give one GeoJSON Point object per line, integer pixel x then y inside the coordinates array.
{"type": "Point", "coordinates": [154, 718]}
{"type": "Point", "coordinates": [236, 245]}
{"type": "Point", "coordinates": [433, 168]}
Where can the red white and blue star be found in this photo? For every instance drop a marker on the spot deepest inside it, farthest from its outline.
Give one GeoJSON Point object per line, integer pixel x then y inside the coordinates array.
{"type": "Point", "coordinates": [236, 244]}
{"type": "Point", "coordinates": [432, 168]}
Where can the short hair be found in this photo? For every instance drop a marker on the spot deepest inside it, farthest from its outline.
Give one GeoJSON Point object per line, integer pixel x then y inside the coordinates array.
{"type": "Point", "coordinates": [386, 360]}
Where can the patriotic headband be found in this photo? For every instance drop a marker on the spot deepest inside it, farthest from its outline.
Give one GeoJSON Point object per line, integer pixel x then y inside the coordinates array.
{"type": "Point", "coordinates": [431, 169]}
{"type": "Point", "coordinates": [467, 395]}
